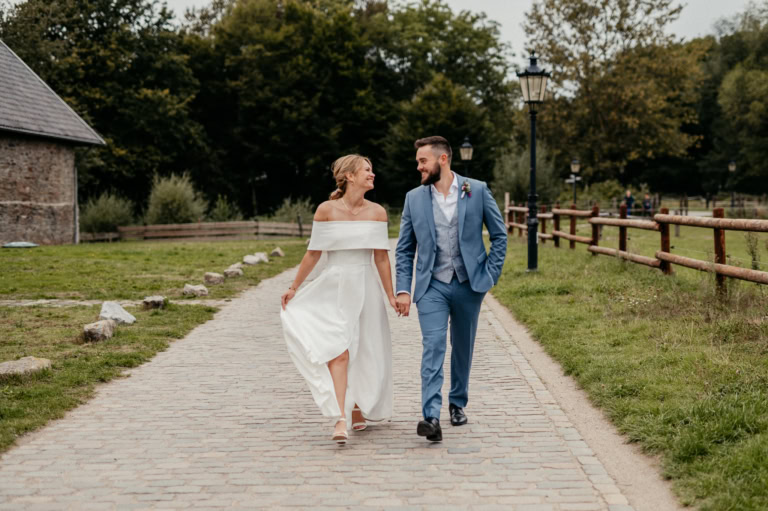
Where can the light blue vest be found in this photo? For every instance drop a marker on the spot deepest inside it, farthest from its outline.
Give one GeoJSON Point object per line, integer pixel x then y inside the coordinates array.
{"type": "Point", "coordinates": [448, 257]}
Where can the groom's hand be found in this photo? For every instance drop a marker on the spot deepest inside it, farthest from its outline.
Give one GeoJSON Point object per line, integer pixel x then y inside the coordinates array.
{"type": "Point", "coordinates": [404, 303]}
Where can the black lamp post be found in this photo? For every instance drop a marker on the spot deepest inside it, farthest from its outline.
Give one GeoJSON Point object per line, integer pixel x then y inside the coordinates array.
{"type": "Point", "coordinates": [533, 82]}
{"type": "Point", "coordinates": [732, 170]}
{"type": "Point", "coordinates": [575, 167]}
{"type": "Point", "coordinates": [466, 151]}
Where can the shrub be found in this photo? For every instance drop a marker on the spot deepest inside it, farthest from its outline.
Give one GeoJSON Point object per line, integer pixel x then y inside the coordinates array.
{"type": "Point", "coordinates": [174, 200]}
{"type": "Point", "coordinates": [224, 211]}
{"type": "Point", "coordinates": [512, 174]}
{"type": "Point", "coordinates": [106, 213]}
{"type": "Point", "coordinates": [290, 209]}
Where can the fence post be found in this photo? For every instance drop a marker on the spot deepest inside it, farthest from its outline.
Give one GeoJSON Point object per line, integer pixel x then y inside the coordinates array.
{"type": "Point", "coordinates": [719, 249]}
{"type": "Point", "coordinates": [301, 230]}
{"type": "Point", "coordinates": [520, 220]}
{"type": "Point", "coordinates": [543, 224]}
{"type": "Point", "coordinates": [623, 230]}
{"type": "Point", "coordinates": [556, 221]}
{"type": "Point", "coordinates": [572, 244]}
{"type": "Point", "coordinates": [677, 227]}
{"type": "Point", "coordinates": [595, 227]}
{"type": "Point", "coordinates": [665, 266]}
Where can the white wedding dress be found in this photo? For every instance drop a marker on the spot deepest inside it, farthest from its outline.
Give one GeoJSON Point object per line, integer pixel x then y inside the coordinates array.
{"type": "Point", "coordinates": [344, 309]}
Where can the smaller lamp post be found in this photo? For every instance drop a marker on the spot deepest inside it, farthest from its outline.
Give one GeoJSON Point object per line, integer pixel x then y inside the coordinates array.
{"type": "Point", "coordinates": [575, 167]}
{"type": "Point", "coordinates": [533, 82]}
{"type": "Point", "coordinates": [732, 170]}
{"type": "Point", "coordinates": [466, 151]}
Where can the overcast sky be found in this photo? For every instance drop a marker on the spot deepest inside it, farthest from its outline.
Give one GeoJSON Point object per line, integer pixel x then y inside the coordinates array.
{"type": "Point", "coordinates": [697, 18]}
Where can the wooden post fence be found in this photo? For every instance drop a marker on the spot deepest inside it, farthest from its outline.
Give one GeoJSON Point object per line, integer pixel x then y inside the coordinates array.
{"type": "Point", "coordinates": [719, 250]}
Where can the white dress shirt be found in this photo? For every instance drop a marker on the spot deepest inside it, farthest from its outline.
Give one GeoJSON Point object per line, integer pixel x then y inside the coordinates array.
{"type": "Point", "coordinates": [447, 203]}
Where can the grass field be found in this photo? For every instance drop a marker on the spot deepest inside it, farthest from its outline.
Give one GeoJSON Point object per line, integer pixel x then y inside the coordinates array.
{"type": "Point", "coordinates": [133, 270]}
{"type": "Point", "coordinates": [678, 371]}
{"type": "Point", "coordinates": [104, 271]}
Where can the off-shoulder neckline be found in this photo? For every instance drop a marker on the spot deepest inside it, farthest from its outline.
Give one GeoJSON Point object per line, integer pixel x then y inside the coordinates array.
{"type": "Point", "coordinates": [349, 221]}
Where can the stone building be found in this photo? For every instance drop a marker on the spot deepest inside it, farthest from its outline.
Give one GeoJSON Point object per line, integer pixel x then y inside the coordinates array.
{"type": "Point", "coordinates": [38, 178]}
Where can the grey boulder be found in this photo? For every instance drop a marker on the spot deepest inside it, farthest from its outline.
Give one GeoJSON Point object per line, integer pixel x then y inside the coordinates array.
{"type": "Point", "coordinates": [113, 310]}
{"type": "Point", "coordinates": [100, 330]}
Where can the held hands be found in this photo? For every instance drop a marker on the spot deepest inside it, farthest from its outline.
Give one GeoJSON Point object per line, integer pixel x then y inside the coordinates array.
{"type": "Point", "coordinates": [394, 304]}
{"type": "Point", "coordinates": [403, 304]}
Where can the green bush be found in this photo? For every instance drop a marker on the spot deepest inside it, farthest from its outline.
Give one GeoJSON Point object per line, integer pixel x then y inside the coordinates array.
{"type": "Point", "coordinates": [106, 213]}
{"type": "Point", "coordinates": [290, 209]}
{"type": "Point", "coordinates": [224, 211]}
{"type": "Point", "coordinates": [512, 173]}
{"type": "Point", "coordinates": [603, 193]}
{"type": "Point", "coordinates": [174, 200]}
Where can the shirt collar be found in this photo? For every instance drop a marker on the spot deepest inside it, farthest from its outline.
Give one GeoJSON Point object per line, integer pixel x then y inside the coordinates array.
{"type": "Point", "coordinates": [453, 188]}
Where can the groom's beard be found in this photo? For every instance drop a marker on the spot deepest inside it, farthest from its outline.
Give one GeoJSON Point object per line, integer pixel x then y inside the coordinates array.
{"type": "Point", "coordinates": [433, 176]}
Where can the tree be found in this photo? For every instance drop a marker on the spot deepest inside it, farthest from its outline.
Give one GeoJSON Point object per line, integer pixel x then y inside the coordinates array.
{"type": "Point", "coordinates": [623, 89]}
{"type": "Point", "coordinates": [118, 64]}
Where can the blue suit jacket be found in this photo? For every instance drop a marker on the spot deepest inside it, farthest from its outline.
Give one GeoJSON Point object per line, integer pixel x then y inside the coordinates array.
{"type": "Point", "coordinates": [417, 233]}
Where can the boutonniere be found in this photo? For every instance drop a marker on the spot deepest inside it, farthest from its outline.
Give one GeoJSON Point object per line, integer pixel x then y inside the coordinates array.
{"type": "Point", "coordinates": [466, 189]}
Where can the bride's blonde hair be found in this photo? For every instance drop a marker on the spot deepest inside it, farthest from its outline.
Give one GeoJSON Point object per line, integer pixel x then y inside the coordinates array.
{"type": "Point", "coordinates": [343, 167]}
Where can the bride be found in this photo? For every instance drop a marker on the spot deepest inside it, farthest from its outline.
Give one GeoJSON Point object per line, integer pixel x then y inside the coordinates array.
{"type": "Point", "coordinates": [336, 327]}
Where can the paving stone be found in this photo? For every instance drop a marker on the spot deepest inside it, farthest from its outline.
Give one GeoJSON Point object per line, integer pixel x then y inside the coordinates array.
{"type": "Point", "coordinates": [223, 420]}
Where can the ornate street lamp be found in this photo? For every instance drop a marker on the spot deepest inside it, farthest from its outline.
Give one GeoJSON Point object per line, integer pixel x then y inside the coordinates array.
{"type": "Point", "coordinates": [533, 82]}
{"type": "Point", "coordinates": [466, 151]}
{"type": "Point", "coordinates": [575, 167]}
{"type": "Point", "coordinates": [732, 170]}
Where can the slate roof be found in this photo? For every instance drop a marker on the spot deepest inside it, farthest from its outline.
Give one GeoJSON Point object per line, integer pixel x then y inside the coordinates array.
{"type": "Point", "coordinates": [29, 106]}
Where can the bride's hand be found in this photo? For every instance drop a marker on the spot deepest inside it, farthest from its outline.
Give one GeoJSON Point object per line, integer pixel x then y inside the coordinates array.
{"type": "Point", "coordinates": [394, 304]}
{"type": "Point", "coordinates": [287, 297]}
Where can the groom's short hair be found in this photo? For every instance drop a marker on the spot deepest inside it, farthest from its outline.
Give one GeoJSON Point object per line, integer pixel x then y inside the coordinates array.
{"type": "Point", "coordinates": [438, 143]}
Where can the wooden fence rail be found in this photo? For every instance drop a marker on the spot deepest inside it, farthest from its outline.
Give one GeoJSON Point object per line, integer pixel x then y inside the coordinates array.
{"type": "Point", "coordinates": [203, 231]}
{"type": "Point", "coordinates": [516, 217]}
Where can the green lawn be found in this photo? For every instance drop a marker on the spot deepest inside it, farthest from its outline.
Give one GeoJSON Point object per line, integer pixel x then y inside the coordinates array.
{"type": "Point", "coordinates": [104, 271]}
{"type": "Point", "coordinates": [133, 270]}
{"type": "Point", "coordinates": [677, 371]}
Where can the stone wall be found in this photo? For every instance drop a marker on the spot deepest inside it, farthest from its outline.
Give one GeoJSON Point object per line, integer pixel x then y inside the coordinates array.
{"type": "Point", "coordinates": [37, 190]}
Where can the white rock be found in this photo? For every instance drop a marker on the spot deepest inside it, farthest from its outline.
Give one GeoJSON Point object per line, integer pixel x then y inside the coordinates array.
{"type": "Point", "coordinates": [252, 259]}
{"type": "Point", "coordinates": [237, 266]}
{"type": "Point", "coordinates": [113, 310]}
{"type": "Point", "coordinates": [24, 365]}
{"type": "Point", "coordinates": [100, 330]}
{"type": "Point", "coordinates": [262, 256]}
{"type": "Point", "coordinates": [213, 278]}
{"type": "Point", "coordinates": [190, 290]}
{"type": "Point", "coordinates": [277, 252]}
{"type": "Point", "coordinates": [233, 272]}
{"type": "Point", "coordinates": [154, 302]}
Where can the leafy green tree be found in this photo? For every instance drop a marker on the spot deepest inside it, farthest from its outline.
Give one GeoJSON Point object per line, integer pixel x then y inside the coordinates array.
{"type": "Point", "coordinates": [440, 108]}
{"type": "Point", "coordinates": [174, 200]}
{"type": "Point", "coordinates": [623, 89]}
{"type": "Point", "coordinates": [512, 173]}
{"type": "Point", "coordinates": [118, 64]}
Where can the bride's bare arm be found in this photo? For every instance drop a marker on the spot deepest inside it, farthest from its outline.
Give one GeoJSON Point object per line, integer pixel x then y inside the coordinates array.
{"type": "Point", "coordinates": [381, 259]}
{"type": "Point", "coordinates": [308, 262]}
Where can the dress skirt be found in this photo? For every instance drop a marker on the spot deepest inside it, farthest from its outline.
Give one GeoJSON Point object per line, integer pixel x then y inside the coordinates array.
{"type": "Point", "coordinates": [343, 309]}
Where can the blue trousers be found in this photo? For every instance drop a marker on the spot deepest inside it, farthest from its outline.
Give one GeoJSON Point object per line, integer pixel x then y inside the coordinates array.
{"type": "Point", "coordinates": [457, 302]}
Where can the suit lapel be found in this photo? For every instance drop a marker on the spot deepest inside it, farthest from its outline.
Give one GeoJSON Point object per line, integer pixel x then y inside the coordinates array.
{"type": "Point", "coordinates": [462, 206]}
{"type": "Point", "coordinates": [429, 212]}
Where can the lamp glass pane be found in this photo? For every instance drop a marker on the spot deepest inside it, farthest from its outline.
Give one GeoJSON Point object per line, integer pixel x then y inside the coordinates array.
{"type": "Point", "coordinates": [544, 80]}
{"type": "Point", "coordinates": [524, 88]}
{"type": "Point", "coordinates": [535, 85]}
{"type": "Point", "coordinates": [466, 153]}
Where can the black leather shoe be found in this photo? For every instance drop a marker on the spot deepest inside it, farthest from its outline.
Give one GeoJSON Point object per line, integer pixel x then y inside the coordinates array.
{"type": "Point", "coordinates": [430, 428]}
{"type": "Point", "coordinates": [457, 415]}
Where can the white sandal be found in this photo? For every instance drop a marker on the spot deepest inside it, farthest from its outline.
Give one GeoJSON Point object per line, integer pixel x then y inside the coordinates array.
{"type": "Point", "coordinates": [359, 426]}
{"type": "Point", "coordinates": [340, 438]}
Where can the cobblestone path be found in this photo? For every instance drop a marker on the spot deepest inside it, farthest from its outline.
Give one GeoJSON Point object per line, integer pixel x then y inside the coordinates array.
{"type": "Point", "coordinates": [222, 420]}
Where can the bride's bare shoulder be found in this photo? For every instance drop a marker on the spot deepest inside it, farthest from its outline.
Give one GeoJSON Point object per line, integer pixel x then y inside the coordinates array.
{"type": "Point", "coordinates": [323, 212]}
{"type": "Point", "coordinates": [379, 212]}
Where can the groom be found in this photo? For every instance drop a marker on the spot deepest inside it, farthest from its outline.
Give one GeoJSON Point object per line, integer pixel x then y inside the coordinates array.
{"type": "Point", "coordinates": [443, 221]}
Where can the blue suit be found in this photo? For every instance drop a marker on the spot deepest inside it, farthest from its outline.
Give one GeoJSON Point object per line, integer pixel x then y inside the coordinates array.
{"type": "Point", "coordinates": [437, 302]}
